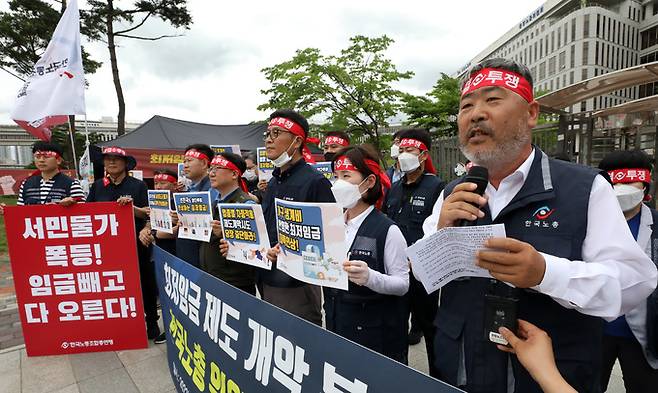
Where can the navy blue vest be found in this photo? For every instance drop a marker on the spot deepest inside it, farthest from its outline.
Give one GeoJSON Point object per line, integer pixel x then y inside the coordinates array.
{"type": "Point", "coordinates": [32, 189]}
{"type": "Point", "coordinates": [550, 213]}
{"type": "Point", "coordinates": [376, 321]}
{"type": "Point", "coordinates": [410, 204]}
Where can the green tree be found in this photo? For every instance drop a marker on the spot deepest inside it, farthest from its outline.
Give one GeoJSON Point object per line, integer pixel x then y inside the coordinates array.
{"type": "Point", "coordinates": [25, 31]}
{"type": "Point", "coordinates": [99, 25]}
{"type": "Point", "coordinates": [438, 109]}
{"type": "Point", "coordinates": [62, 138]}
{"type": "Point", "coordinates": [352, 90]}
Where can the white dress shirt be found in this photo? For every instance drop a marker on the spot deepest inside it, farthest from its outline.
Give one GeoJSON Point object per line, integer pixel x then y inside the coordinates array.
{"type": "Point", "coordinates": [396, 279]}
{"type": "Point", "coordinates": [615, 274]}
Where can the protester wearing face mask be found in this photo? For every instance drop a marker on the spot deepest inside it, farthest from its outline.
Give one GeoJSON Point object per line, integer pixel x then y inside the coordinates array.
{"type": "Point", "coordinates": [334, 142]}
{"type": "Point", "coordinates": [374, 311]}
{"type": "Point", "coordinates": [393, 172]}
{"type": "Point", "coordinates": [408, 203]}
{"type": "Point", "coordinates": [633, 338]}
{"type": "Point", "coordinates": [250, 176]}
{"type": "Point", "coordinates": [293, 180]}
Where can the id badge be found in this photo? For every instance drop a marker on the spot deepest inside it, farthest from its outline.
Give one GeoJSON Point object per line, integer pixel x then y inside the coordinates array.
{"type": "Point", "coordinates": [499, 311]}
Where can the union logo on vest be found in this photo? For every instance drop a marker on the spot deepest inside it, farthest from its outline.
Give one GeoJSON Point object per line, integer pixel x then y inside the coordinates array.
{"type": "Point", "coordinates": [540, 217]}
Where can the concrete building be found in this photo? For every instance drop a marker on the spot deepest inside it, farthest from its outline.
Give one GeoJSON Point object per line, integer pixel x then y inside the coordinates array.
{"type": "Point", "coordinates": [567, 41]}
{"type": "Point", "coordinates": [15, 143]}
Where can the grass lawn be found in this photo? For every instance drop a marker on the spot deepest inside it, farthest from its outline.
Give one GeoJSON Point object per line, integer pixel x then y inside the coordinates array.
{"type": "Point", "coordinates": [8, 200]}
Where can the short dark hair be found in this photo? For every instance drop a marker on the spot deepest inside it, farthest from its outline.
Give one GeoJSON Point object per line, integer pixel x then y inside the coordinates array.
{"type": "Point", "coordinates": [500, 63]}
{"type": "Point", "coordinates": [202, 148]}
{"type": "Point", "coordinates": [235, 159]}
{"type": "Point", "coordinates": [398, 133]}
{"type": "Point", "coordinates": [46, 146]}
{"type": "Point", "coordinates": [420, 134]}
{"type": "Point", "coordinates": [357, 154]}
{"type": "Point", "coordinates": [250, 155]}
{"type": "Point", "coordinates": [165, 171]}
{"type": "Point", "coordinates": [627, 159]}
{"type": "Point", "coordinates": [340, 134]}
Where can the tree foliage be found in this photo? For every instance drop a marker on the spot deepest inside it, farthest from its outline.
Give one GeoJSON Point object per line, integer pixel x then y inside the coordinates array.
{"type": "Point", "coordinates": [438, 109]}
{"type": "Point", "coordinates": [353, 91]}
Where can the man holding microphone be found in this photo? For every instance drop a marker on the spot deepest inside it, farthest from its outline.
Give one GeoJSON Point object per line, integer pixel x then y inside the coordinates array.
{"type": "Point", "coordinates": [567, 261]}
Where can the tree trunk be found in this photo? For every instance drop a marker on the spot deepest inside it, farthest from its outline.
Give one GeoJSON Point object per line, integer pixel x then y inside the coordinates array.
{"type": "Point", "coordinates": [121, 117]}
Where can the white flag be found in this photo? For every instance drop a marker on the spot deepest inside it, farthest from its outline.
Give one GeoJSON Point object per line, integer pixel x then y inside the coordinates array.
{"type": "Point", "coordinates": [56, 87]}
{"type": "Point", "coordinates": [86, 171]}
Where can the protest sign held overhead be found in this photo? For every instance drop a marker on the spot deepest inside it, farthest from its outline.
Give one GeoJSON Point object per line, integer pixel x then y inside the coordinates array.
{"type": "Point", "coordinates": [265, 166]}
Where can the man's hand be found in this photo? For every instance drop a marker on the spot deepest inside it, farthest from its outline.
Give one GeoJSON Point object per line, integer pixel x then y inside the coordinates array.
{"type": "Point", "coordinates": [68, 201]}
{"type": "Point", "coordinates": [460, 205]}
{"type": "Point", "coordinates": [180, 187]}
{"type": "Point", "coordinates": [357, 271]}
{"type": "Point", "coordinates": [124, 200]}
{"type": "Point", "coordinates": [512, 261]}
{"type": "Point", "coordinates": [223, 247]}
{"type": "Point", "coordinates": [2, 209]}
{"type": "Point", "coordinates": [262, 185]}
{"type": "Point", "coordinates": [216, 228]}
{"type": "Point", "coordinates": [146, 237]}
{"type": "Point", "coordinates": [273, 253]}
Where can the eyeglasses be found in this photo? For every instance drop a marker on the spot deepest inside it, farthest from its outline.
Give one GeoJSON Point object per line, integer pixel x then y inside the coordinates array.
{"type": "Point", "coordinates": [273, 133]}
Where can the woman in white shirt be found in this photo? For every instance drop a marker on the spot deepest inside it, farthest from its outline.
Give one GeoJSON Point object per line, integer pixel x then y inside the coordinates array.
{"type": "Point", "coordinates": [374, 311]}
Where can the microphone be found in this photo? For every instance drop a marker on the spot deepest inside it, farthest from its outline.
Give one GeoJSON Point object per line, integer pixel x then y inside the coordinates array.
{"type": "Point", "coordinates": [480, 176]}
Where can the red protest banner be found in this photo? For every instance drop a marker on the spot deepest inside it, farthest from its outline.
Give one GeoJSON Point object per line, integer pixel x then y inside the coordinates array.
{"type": "Point", "coordinates": [76, 277]}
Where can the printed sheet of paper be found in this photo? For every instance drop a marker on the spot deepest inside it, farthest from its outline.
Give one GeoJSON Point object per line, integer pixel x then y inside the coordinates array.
{"type": "Point", "coordinates": [245, 230]}
{"type": "Point", "coordinates": [223, 148]}
{"type": "Point", "coordinates": [265, 166]}
{"type": "Point", "coordinates": [312, 240]}
{"type": "Point", "coordinates": [449, 254]}
{"type": "Point", "coordinates": [159, 202]}
{"type": "Point", "coordinates": [194, 215]}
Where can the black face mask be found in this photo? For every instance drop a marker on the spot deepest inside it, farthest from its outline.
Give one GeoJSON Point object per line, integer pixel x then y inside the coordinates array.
{"type": "Point", "coordinates": [329, 156]}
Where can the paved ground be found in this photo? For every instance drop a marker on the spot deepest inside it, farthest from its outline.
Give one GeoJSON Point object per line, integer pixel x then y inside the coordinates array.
{"type": "Point", "coordinates": [134, 371]}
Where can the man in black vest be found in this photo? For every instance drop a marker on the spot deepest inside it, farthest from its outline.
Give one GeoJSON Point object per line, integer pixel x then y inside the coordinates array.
{"type": "Point", "coordinates": [47, 184]}
{"type": "Point", "coordinates": [119, 187]}
{"type": "Point", "coordinates": [293, 180]}
{"type": "Point", "coordinates": [632, 337]}
{"type": "Point", "coordinates": [568, 252]}
{"type": "Point", "coordinates": [409, 202]}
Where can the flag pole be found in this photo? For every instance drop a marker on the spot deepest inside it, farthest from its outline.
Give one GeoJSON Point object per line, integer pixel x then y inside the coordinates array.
{"type": "Point", "coordinates": [72, 140]}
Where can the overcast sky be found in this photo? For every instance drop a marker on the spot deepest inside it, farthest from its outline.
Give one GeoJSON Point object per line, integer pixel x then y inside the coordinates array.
{"type": "Point", "coordinates": [212, 73]}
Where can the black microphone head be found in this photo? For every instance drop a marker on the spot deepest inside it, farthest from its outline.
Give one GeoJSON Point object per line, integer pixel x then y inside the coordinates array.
{"type": "Point", "coordinates": [480, 176]}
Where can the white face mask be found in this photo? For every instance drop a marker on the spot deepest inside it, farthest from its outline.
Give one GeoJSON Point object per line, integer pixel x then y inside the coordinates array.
{"type": "Point", "coordinates": [408, 162]}
{"type": "Point", "coordinates": [250, 175]}
{"type": "Point", "coordinates": [347, 194]}
{"type": "Point", "coordinates": [395, 151]}
{"type": "Point", "coordinates": [284, 158]}
{"type": "Point", "coordinates": [628, 196]}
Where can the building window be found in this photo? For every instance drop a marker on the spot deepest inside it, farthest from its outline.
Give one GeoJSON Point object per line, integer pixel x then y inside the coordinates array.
{"type": "Point", "coordinates": [584, 74]}
{"type": "Point", "coordinates": [655, 7]}
{"type": "Point", "coordinates": [596, 53]}
{"type": "Point", "coordinates": [583, 106]}
{"type": "Point", "coordinates": [552, 41]}
{"type": "Point", "coordinates": [572, 61]}
{"type": "Point", "coordinates": [586, 27]}
{"type": "Point", "coordinates": [573, 29]}
{"type": "Point", "coordinates": [559, 37]}
{"type": "Point", "coordinates": [571, 77]}
{"type": "Point", "coordinates": [585, 53]}
{"type": "Point", "coordinates": [598, 24]}
{"type": "Point", "coordinates": [565, 33]}
{"type": "Point", "coordinates": [562, 60]}
{"type": "Point", "coordinates": [542, 70]}
{"type": "Point", "coordinates": [551, 66]}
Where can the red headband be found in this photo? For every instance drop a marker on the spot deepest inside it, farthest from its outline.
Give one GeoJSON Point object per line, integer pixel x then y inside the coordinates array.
{"type": "Point", "coordinates": [629, 175]}
{"type": "Point", "coordinates": [116, 151]}
{"type": "Point", "coordinates": [409, 142]}
{"type": "Point", "coordinates": [196, 154]}
{"type": "Point", "coordinates": [222, 162]}
{"type": "Point", "coordinates": [165, 177]}
{"type": "Point", "coordinates": [47, 153]}
{"type": "Point", "coordinates": [336, 140]}
{"type": "Point", "coordinates": [344, 164]}
{"type": "Point", "coordinates": [502, 78]}
{"type": "Point", "coordinates": [294, 129]}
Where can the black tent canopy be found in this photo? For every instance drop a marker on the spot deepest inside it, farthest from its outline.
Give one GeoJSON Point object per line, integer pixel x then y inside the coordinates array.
{"type": "Point", "coordinates": [161, 132]}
